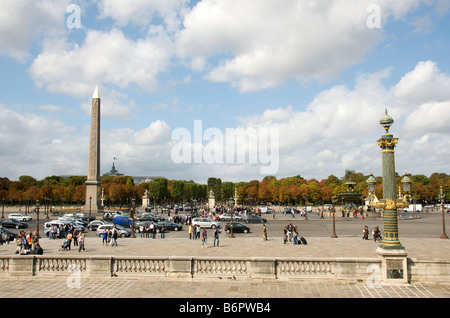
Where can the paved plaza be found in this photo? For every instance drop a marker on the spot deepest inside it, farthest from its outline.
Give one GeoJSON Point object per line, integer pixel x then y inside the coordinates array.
{"type": "Point", "coordinates": [243, 245]}
{"type": "Point", "coordinates": [423, 248]}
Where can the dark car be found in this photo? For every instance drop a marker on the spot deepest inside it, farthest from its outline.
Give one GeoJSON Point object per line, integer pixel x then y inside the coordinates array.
{"type": "Point", "coordinates": [253, 219]}
{"type": "Point", "coordinates": [14, 223]}
{"type": "Point", "coordinates": [12, 236]}
{"type": "Point", "coordinates": [170, 226]}
{"type": "Point", "coordinates": [150, 217]}
{"type": "Point", "coordinates": [237, 228]}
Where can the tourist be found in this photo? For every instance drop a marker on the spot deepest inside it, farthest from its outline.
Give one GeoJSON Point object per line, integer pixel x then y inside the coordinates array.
{"type": "Point", "coordinates": [295, 235]}
{"type": "Point", "coordinates": [163, 231]}
{"type": "Point", "coordinates": [264, 233]}
{"type": "Point", "coordinates": [105, 237]}
{"type": "Point", "coordinates": [19, 242]}
{"type": "Point", "coordinates": [216, 237]}
{"type": "Point", "coordinates": [285, 235]}
{"type": "Point", "coordinates": [376, 234]}
{"type": "Point", "coordinates": [204, 238]}
{"type": "Point", "coordinates": [75, 237]}
{"type": "Point", "coordinates": [141, 230]}
{"type": "Point", "coordinates": [114, 236]}
{"type": "Point", "coordinates": [81, 242]}
{"type": "Point", "coordinates": [190, 231]}
{"type": "Point", "coordinates": [69, 239]}
{"type": "Point", "coordinates": [38, 250]}
{"type": "Point", "coordinates": [289, 228]}
{"type": "Point", "coordinates": [365, 233]}
{"type": "Point", "coordinates": [197, 230]}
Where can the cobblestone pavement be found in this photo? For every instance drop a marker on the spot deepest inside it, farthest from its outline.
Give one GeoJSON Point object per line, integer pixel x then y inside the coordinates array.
{"type": "Point", "coordinates": [80, 287]}
{"type": "Point", "coordinates": [229, 289]}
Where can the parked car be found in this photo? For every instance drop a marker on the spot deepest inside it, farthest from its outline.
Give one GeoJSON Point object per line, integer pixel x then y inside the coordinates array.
{"type": "Point", "coordinates": [14, 224]}
{"type": "Point", "coordinates": [12, 235]}
{"type": "Point", "coordinates": [227, 217]}
{"type": "Point", "coordinates": [150, 217]}
{"type": "Point", "coordinates": [254, 219]}
{"type": "Point", "coordinates": [170, 226]}
{"type": "Point", "coordinates": [237, 228]}
{"type": "Point", "coordinates": [85, 216]}
{"type": "Point", "coordinates": [205, 222]}
{"type": "Point", "coordinates": [95, 224]}
{"type": "Point", "coordinates": [19, 217]}
{"type": "Point", "coordinates": [122, 232]}
{"type": "Point", "coordinates": [122, 220]}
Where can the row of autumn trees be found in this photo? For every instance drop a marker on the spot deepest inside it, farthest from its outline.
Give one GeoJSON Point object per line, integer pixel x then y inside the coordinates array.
{"type": "Point", "coordinates": [290, 190]}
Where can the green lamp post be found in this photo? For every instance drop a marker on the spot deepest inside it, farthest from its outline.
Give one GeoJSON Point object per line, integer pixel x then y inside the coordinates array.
{"type": "Point", "coordinates": [390, 204]}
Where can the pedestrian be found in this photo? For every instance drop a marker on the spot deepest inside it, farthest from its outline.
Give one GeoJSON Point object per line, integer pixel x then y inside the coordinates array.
{"type": "Point", "coordinates": [264, 233]}
{"type": "Point", "coordinates": [153, 230]}
{"type": "Point", "coordinates": [289, 228]}
{"type": "Point", "coordinates": [285, 235]}
{"type": "Point", "coordinates": [365, 233]}
{"type": "Point", "coordinates": [105, 237]}
{"type": "Point", "coordinates": [141, 230]}
{"type": "Point", "coordinates": [190, 231]}
{"type": "Point", "coordinates": [295, 235]}
{"type": "Point", "coordinates": [114, 236]}
{"type": "Point", "coordinates": [81, 242]}
{"type": "Point", "coordinates": [75, 237]}
{"type": "Point", "coordinates": [19, 243]}
{"type": "Point", "coordinates": [204, 238]}
{"type": "Point", "coordinates": [163, 231]}
{"type": "Point", "coordinates": [216, 237]}
{"type": "Point", "coordinates": [69, 239]}
{"type": "Point", "coordinates": [197, 230]}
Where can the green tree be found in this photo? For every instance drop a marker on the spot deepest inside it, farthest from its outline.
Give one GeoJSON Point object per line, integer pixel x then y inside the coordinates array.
{"type": "Point", "coordinates": [215, 184]}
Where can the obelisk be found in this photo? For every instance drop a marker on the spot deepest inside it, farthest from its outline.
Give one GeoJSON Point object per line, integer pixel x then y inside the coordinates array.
{"type": "Point", "coordinates": [93, 178]}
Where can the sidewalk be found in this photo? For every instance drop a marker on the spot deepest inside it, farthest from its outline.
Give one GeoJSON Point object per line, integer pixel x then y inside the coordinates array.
{"type": "Point", "coordinates": [225, 289]}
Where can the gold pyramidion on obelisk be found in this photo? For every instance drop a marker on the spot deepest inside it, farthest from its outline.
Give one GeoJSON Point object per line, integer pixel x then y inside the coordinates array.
{"type": "Point", "coordinates": [93, 182]}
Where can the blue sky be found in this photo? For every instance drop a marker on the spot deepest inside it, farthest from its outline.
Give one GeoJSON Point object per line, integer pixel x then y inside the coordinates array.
{"type": "Point", "coordinates": [313, 70]}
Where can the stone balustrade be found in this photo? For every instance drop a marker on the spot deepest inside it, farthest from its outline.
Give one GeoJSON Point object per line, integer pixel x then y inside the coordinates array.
{"type": "Point", "coordinates": [335, 269]}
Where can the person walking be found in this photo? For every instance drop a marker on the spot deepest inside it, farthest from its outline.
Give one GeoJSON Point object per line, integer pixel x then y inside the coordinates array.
{"type": "Point", "coordinates": [204, 238]}
{"type": "Point", "coordinates": [114, 236]}
{"type": "Point", "coordinates": [163, 231]}
{"type": "Point", "coordinates": [69, 239]}
{"type": "Point", "coordinates": [81, 242]}
{"type": "Point", "coordinates": [285, 235]}
{"type": "Point", "coordinates": [190, 231]}
{"type": "Point", "coordinates": [216, 237]}
{"type": "Point", "coordinates": [365, 233]}
{"type": "Point", "coordinates": [264, 233]}
{"type": "Point", "coordinates": [105, 237]}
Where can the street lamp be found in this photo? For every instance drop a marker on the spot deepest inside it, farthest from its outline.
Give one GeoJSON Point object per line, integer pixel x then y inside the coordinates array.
{"type": "Point", "coordinates": [444, 235]}
{"type": "Point", "coordinates": [133, 202]}
{"type": "Point", "coordinates": [90, 202]}
{"type": "Point", "coordinates": [333, 235]}
{"type": "Point", "coordinates": [37, 216]}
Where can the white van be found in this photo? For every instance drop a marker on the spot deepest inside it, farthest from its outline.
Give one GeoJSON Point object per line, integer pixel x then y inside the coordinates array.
{"type": "Point", "coordinates": [410, 208]}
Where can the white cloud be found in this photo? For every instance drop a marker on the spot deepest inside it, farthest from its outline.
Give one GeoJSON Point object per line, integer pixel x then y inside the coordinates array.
{"type": "Point", "coordinates": [104, 57]}
{"type": "Point", "coordinates": [425, 83]}
{"type": "Point", "coordinates": [144, 12]}
{"type": "Point", "coordinates": [22, 22]}
{"type": "Point", "coordinates": [263, 44]}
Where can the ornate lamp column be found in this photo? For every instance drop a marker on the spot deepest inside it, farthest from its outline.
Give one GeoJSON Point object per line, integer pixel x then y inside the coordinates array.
{"type": "Point", "coordinates": [392, 253]}
{"type": "Point", "coordinates": [387, 144]}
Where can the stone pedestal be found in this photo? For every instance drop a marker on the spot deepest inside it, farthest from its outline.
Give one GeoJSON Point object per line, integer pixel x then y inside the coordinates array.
{"type": "Point", "coordinates": [394, 266]}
